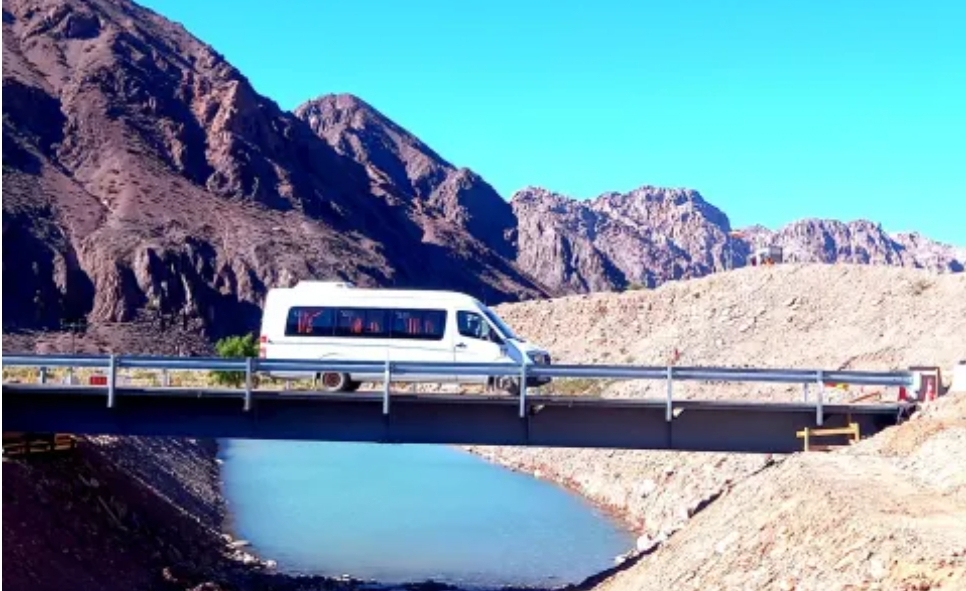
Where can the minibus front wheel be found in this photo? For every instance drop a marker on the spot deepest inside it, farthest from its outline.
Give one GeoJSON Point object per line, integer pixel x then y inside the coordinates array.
{"type": "Point", "coordinates": [509, 385]}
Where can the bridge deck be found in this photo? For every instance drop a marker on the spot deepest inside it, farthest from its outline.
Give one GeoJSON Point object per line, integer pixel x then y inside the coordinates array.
{"type": "Point", "coordinates": [551, 421]}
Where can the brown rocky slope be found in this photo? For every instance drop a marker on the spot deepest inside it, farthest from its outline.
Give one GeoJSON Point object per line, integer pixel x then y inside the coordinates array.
{"type": "Point", "coordinates": [647, 236]}
{"type": "Point", "coordinates": [112, 514]}
{"type": "Point", "coordinates": [809, 316]}
{"type": "Point", "coordinates": [142, 172]}
{"type": "Point", "coordinates": [117, 514]}
{"type": "Point", "coordinates": [400, 162]}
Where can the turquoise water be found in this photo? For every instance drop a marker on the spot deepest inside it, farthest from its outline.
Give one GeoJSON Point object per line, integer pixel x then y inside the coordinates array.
{"type": "Point", "coordinates": [400, 513]}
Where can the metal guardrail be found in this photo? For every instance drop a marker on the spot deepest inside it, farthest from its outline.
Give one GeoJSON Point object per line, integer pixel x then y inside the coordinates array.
{"type": "Point", "coordinates": [525, 369]}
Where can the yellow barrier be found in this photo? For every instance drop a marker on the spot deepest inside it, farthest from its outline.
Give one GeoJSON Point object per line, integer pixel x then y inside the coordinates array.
{"type": "Point", "coordinates": [807, 434]}
{"type": "Point", "coordinates": [15, 444]}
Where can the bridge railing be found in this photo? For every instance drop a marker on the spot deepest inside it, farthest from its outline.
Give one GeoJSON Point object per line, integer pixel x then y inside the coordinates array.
{"type": "Point", "coordinates": [523, 370]}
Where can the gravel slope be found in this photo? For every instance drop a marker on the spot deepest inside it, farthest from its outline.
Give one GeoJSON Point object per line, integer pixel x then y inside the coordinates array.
{"type": "Point", "coordinates": [888, 513]}
{"type": "Point", "coordinates": [113, 514]}
{"type": "Point", "coordinates": [809, 316]}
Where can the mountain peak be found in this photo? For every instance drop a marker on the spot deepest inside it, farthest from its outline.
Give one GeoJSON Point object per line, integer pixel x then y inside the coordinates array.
{"type": "Point", "coordinates": [345, 103]}
{"type": "Point", "coordinates": [358, 130]}
{"type": "Point", "coordinates": [398, 161]}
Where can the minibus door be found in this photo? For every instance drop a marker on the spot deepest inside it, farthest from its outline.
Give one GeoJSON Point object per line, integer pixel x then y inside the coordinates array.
{"type": "Point", "coordinates": [475, 342]}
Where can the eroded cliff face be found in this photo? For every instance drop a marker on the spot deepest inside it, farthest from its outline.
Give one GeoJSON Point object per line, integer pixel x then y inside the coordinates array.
{"type": "Point", "coordinates": [861, 242]}
{"type": "Point", "coordinates": [646, 237]}
{"type": "Point", "coordinates": [652, 235]}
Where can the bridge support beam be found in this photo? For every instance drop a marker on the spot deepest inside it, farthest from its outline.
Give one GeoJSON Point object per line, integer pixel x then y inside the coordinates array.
{"type": "Point", "coordinates": [434, 419]}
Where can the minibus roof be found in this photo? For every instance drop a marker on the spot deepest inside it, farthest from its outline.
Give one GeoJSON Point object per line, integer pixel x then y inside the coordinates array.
{"type": "Point", "coordinates": [349, 290]}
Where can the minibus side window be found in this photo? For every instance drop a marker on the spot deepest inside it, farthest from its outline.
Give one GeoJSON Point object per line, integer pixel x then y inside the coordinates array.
{"type": "Point", "coordinates": [423, 325]}
{"type": "Point", "coordinates": [366, 323]}
{"type": "Point", "coordinates": [474, 326]}
{"type": "Point", "coordinates": [350, 322]}
{"type": "Point", "coordinates": [309, 321]}
{"type": "Point", "coordinates": [376, 325]}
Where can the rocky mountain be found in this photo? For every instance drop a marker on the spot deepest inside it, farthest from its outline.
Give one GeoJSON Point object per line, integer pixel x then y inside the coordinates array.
{"type": "Point", "coordinates": [652, 235]}
{"type": "Point", "coordinates": [399, 162]}
{"type": "Point", "coordinates": [145, 179]}
{"type": "Point", "coordinates": [646, 237]}
{"type": "Point", "coordinates": [142, 173]}
{"type": "Point", "coordinates": [861, 242]}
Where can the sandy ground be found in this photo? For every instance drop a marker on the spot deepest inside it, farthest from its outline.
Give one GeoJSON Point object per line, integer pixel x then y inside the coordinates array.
{"type": "Point", "coordinates": [888, 513]}
{"type": "Point", "coordinates": [805, 316]}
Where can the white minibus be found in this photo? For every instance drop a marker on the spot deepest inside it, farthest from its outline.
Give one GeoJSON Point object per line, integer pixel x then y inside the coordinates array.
{"type": "Point", "coordinates": [339, 321]}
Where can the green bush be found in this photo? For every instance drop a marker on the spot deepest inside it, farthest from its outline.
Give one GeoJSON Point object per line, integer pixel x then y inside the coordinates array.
{"type": "Point", "coordinates": [635, 287]}
{"type": "Point", "coordinates": [234, 347]}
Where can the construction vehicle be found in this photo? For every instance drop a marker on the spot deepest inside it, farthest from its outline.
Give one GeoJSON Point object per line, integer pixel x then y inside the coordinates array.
{"type": "Point", "coordinates": [765, 254]}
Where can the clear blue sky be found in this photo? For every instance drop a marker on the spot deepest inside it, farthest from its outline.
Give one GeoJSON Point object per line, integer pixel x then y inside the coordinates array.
{"type": "Point", "coordinates": [774, 110]}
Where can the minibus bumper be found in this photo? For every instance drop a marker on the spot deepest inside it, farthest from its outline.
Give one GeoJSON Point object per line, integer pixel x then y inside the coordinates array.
{"type": "Point", "coordinates": [538, 381]}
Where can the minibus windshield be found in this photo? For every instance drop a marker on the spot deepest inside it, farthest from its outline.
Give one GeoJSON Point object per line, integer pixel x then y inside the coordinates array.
{"type": "Point", "coordinates": [505, 330]}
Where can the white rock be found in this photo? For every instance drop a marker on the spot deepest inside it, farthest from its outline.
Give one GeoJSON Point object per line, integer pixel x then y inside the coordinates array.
{"type": "Point", "coordinates": [622, 558]}
{"type": "Point", "coordinates": [647, 487]}
{"type": "Point", "coordinates": [722, 546]}
{"type": "Point", "coordinates": [645, 544]}
{"type": "Point", "coordinates": [877, 570]}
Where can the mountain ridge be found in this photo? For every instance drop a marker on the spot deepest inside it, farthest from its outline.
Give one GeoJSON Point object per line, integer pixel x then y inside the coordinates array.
{"type": "Point", "coordinates": [651, 235]}
{"type": "Point", "coordinates": [143, 175]}
{"type": "Point", "coordinates": [145, 180]}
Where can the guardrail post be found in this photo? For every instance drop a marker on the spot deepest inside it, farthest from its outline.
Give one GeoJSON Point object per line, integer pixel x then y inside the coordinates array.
{"type": "Point", "coordinates": [669, 411]}
{"type": "Point", "coordinates": [165, 378]}
{"type": "Point", "coordinates": [523, 388]}
{"type": "Point", "coordinates": [819, 413]}
{"type": "Point", "coordinates": [805, 392]}
{"type": "Point", "coordinates": [386, 380]}
{"type": "Point", "coordinates": [249, 365]}
{"type": "Point", "coordinates": [111, 380]}
{"type": "Point", "coordinates": [42, 375]}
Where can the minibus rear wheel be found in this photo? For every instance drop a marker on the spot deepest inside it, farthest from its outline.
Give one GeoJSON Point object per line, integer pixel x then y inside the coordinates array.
{"type": "Point", "coordinates": [332, 381]}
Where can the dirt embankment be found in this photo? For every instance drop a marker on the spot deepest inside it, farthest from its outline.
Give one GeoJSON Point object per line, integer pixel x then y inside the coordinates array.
{"type": "Point", "coordinates": [113, 514]}
{"type": "Point", "coordinates": [128, 513]}
{"type": "Point", "coordinates": [809, 316]}
{"type": "Point", "coordinates": [888, 513]}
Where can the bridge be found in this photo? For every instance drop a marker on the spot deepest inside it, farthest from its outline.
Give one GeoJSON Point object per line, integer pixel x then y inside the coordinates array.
{"type": "Point", "coordinates": [388, 416]}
